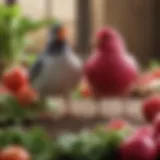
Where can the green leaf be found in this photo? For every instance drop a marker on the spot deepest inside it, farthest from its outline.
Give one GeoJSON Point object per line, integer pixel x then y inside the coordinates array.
{"type": "Point", "coordinates": [154, 64]}
{"type": "Point", "coordinates": [87, 145]}
{"type": "Point", "coordinates": [65, 142]}
{"type": "Point", "coordinates": [51, 104]}
{"type": "Point", "coordinates": [36, 141]}
{"type": "Point", "coordinates": [29, 58]}
{"type": "Point", "coordinates": [13, 29]}
{"type": "Point", "coordinates": [13, 10]}
{"type": "Point", "coordinates": [11, 136]}
{"type": "Point", "coordinates": [77, 95]}
{"type": "Point", "coordinates": [29, 25]}
{"type": "Point", "coordinates": [11, 109]}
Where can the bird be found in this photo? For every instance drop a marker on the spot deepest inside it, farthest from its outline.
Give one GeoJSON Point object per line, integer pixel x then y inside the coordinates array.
{"type": "Point", "coordinates": [111, 70]}
{"type": "Point", "coordinates": [57, 70]}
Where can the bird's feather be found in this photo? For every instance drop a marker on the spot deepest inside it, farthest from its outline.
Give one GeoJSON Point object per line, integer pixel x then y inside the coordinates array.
{"type": "Point", "coordinates": [59, 74]}
{"type": "Point", "coordinates": [36, 69]}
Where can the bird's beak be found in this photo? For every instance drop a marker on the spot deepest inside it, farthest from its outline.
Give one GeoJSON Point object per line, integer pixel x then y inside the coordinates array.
{"type": "Point", "coordinates": [62, 34]}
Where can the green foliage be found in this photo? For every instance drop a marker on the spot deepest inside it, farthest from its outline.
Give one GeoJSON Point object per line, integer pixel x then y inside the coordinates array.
{"type": "Point", "coordinates": [97, 145]}
{"type": "Point", "coordinates": [87, 145]}
{"type": "Point", "coordinates": [36, 141]}
{"type": "Point", "coordinates": [111, 141]}
{"type": "Point", "coordinates": [29, 58]}
{"type": "Point", "coordinates": [77, 95]}
{"type": "Point", "coordinates": [13, 30]}
{"type": "Point", "coordinates": [10, 108]}
{"type": "Point", "coordinates": [154, 64]}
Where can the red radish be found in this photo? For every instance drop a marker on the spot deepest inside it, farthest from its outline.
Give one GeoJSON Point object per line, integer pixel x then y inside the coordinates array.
{"type": "Point", "coordinates": [15, 78]}
{"type": "Point", "coordinates": [145, 84]}
{"type": "Point", "coordinates": [26, 96]}
{"type": "Point", "coordinates": [85, 92]}
{"type": "Point", "coordinates": [150, 107]}
{"type": "Point", "coordinates": [111, 71]}
{"type": "Point", "coordinates": [156, 73]}
{"type": "Point", "coordinates": [14, 153]}
{"type": "Point", "coordinates": [145, 79]}
{"type": "Point", "coordinates": [138, 148]}
{"type": "Point", "coordinates": [156, 126]}
{"type": "Point", "coordinates": [117, 124]}
{"type": "Point", "coordinates": [144, 131]}
{"type": "Point", "coordinates": [158, 147]}
{"type": "Point", "coordinates": [84, 88]}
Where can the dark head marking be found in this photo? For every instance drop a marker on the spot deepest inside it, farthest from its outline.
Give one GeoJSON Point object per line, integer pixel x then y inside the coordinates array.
{"type": "Point", "coordinates": [57, 38]}
{"type": "Point", "coordinates": [57, 33]}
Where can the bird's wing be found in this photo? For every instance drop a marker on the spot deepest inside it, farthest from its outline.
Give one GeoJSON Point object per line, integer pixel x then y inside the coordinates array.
{"type": "Point", "coordinates": [36, 69]}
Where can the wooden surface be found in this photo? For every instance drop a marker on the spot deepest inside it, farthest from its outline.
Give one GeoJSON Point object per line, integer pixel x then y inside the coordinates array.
{"type": "Point", "coordinates": [111, 108]}
{"type": "Point", "coordinates": [84, 116]}
{"type": "Point", "coordinates": [135, 20]}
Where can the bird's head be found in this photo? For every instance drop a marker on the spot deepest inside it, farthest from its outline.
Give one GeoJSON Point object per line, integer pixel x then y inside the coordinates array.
{"type": "Point", "coordinates": [109, 39]}
{"type": "Point", "coordinates": [57, 34]}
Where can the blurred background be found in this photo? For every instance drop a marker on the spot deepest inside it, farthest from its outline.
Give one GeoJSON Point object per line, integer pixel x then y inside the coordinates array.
{"type": "Point", "coordinates": [137, 20]}
{"type": "Point", "coordinates": [24, 29]}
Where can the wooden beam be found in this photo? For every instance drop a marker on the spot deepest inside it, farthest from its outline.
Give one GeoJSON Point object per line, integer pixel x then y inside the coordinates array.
{"type": "Point", "coordinates": [135, 20]}
{"type": "Point", "coordinates": [156, 52]}
{"type": "Point", "coordinates": [83, 25]}
{"type": "Point", "coordinates": [98, 14]}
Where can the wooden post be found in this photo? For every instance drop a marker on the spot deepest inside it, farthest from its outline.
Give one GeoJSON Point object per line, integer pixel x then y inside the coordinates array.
{"type": "Point", "coordinates": [156, 52]}
{"type": "Point", "coordinates": [83, 26]}
{"type": "Point", "coordinates": [135, 20]}
{"type": "Point", "coordinates": [98, 15]}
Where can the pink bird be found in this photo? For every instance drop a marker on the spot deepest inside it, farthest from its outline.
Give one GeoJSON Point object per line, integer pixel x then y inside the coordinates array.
{"type": "Point", "coordinates": [111, 71]}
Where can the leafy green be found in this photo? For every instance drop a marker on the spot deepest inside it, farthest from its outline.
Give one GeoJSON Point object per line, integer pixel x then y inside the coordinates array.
{"type": "Point", "coordinates": [13, 29]}
{"type": "Point", "coordinates": [87, 145]}
{"type": "Point", "coordinates": [36, 141]}
{"type": "Point", "coordinates": [10, 108]}
{"type": "Point", "coordinates": [77, 95]}
{"type": "Point", "coordinates": [95, 145]}
{"type": "Point", "coordinates": [154, 64]}
{"type": "Point", "coordinates": [28, 59]}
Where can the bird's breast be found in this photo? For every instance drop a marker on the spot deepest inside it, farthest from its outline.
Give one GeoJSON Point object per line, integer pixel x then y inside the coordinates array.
{"type": "Point", "coordinates": [111, 75]}
{"type": "Point", "coordinates": [60, 73]}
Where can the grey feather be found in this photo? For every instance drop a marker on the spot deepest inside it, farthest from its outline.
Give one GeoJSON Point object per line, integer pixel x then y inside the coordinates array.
{"type": "Point", "coordinates": [57, 71]}
{"type": "Point", "coordinates": [36, 69]}
{"type": "Point", "coordinates": [59, 75]}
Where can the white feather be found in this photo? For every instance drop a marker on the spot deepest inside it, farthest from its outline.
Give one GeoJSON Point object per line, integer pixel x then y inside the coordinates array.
{"type": "Point", "coordinates": [60, 74]}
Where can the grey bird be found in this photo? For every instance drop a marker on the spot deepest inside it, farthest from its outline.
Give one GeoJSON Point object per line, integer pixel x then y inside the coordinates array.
{"type": "Point", "coordinates": [57, 71]}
